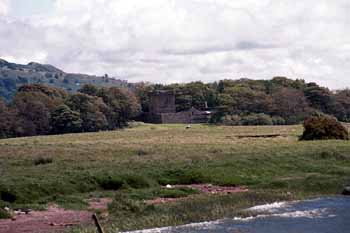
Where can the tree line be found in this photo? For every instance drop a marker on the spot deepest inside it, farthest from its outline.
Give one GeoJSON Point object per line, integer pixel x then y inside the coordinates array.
{"type": "Point", "coordinates": [40, 110]}
{"type": "Point", "coordinates": [255, 102]}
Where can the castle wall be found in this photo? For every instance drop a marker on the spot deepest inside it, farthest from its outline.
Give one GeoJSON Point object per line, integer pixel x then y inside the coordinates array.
{"type": "Point", "coordinates": [162, 102]}
{"type": "Point", "coordinates": [163, 110]}
{"type": "Point", "coordinates": [176, 118]}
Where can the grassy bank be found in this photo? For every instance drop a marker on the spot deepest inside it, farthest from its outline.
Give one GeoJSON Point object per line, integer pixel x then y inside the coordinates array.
{"type": "Point", "coordinates": [131, 164]}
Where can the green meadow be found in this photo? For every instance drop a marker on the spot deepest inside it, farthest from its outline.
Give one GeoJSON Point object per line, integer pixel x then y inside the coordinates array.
{"type": "Point", "coordinates": [132, 165]}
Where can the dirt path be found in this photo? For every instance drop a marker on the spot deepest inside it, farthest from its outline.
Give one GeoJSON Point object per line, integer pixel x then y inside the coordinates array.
{"type": "Point", "coordinates": [52, 220]}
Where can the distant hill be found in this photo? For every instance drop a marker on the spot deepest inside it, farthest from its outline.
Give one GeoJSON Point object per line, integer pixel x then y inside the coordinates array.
{"type": "Point", "coordinates": [13, 75]}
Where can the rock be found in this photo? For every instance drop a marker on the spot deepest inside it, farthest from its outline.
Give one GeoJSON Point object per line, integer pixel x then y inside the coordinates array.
{"type": "Point", "coordinates": [346, 190]}
{"type": "Point", "coordinates": [19, 212]}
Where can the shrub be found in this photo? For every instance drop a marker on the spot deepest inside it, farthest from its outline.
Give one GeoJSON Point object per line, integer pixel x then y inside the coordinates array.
{"type": "Point", "coordinates": [7, 195]}
{"type": "Point", "coordinates": [110, 182]}
{"type": "Point", "coordinates": [42, 161]}
{"type": "Point", "coordinates": [141, 152]}
{"type": "Point", "coordinates": [323, 127]}
{"type": "Point", "coordinates": [231, 120]}
{"type": "Point", "coordinates": [257, 119]}
{"type": "Point", "coordinates": [4, 214]}
{"type": "Point", "coordinates": [138, 181]}
{"type": "Point", "coordinates": [252, 119]}
{"type": "Point", "coordinates": [277, 120]}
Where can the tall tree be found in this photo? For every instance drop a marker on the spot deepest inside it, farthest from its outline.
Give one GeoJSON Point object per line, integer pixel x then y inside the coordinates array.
{"type": "Point", "coordinates": [64, 120]}
{"type": "Point", "coordinates": [121, 106]}
{"type": "Point", "coordinates": [319, 97]}
{"type": "Point", "coordinates": [91, 110]}
{"type": "Point", "coordinates": [290, 104]}
{"type": "Point", "coordinates": [342, 105]}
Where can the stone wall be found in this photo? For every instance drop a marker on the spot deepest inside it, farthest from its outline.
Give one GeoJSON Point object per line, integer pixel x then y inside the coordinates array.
{"type": "Point", "coordinates": [162, 102]}
{"type": "Point", "coordinates": [176, 118]}
{"type": "Point", "coordinates": [163, 110]}
{"type": "Point", "coordinates": [191, 116]}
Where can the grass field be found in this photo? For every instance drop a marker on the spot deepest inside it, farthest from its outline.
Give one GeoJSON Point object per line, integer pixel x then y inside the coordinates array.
{"type": "Point", "coordinates": [131, 165]}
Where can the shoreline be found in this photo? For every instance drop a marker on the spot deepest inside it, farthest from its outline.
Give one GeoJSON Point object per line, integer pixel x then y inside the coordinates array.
{"type": "Point", "coordinates": [257, 212]}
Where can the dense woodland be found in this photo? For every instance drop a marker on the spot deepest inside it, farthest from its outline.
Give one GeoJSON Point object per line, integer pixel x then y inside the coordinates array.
{"type": "Point", "coordinates": [39, 110]}
{"type": "Point", "coordinates": [255, 102]}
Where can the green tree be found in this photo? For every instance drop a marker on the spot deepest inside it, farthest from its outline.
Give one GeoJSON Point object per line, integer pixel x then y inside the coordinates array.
{"type": "Point", "coordinates": [121, 104]}
{"type": "Point", "coordinates": [33, 111]}
{"type": "Point", "coordinates": [142, 91]}
{"type": "Point", "coordinates": [5, 121]}
{"type": "Point", "coordinates": [64, 120]}
{"type": "Point", "coordinates": [91, 110]}
{"type": "Point", "coordinates": [342, 105]}
{"type": "Point", "coordinates": [319, 98]}
{"type": "Point", "coordinates": [32, 106]}
{"type": "Point", "coordinates": [290, 104]}
{"type": "Point", "coordinates": [89, 89]}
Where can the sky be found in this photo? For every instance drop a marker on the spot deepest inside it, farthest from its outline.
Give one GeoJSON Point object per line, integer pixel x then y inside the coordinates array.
{"type": "Point", "coordinates": [167, 41]}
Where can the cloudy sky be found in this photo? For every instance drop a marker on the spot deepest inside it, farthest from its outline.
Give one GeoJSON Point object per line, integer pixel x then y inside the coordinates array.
{"type": "Point", "coordinates": [182, 40]}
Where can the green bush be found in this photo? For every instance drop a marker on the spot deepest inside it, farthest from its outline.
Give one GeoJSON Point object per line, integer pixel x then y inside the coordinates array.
{"type": "Point", "coordinates": [252, 119]}
{"type": "Point", "coordinates": [277, 120]}
{"type": "Point", "coordinates": [323, 127]}
{"type": "Point", "coordinates": [7, 195]}
{"type": "Point", "coordinates": [138, 181]}
{"type": "Point", "coordinates": [42, 161]}
{"type": "Point", "coordinates": [231, 120]}
{"type": "Point", "coordinates": [109, 182]}
{"type": "Point", "coordinates": [4, 214]}
{"type": "Point", "coordinates": [257, 119]}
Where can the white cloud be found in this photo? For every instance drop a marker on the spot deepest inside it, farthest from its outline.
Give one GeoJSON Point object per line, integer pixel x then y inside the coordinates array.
{"type": "Point", "coordinates": [4, 7]}
{"type": "Point", "coordinates": [186, 40]}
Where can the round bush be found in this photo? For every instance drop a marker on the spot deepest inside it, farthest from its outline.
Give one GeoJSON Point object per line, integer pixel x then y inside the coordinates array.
{"type": "Point", "coordinates": [324, 128]}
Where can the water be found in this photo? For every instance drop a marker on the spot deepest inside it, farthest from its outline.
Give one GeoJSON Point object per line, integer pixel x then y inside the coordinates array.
{"type": "Point", "coordinates": [324, 215]}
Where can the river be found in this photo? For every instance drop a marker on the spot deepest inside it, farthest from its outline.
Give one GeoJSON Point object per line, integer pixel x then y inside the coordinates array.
{"type": "Point", "coordinates": [323, 215]}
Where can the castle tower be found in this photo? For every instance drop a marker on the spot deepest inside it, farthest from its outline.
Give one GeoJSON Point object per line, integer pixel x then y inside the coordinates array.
{"type": "Point", "coordinates": [162, 102]}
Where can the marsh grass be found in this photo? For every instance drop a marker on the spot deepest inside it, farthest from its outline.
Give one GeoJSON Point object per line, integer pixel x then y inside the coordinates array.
{"type": "Point", "coordinates": [134, 214]}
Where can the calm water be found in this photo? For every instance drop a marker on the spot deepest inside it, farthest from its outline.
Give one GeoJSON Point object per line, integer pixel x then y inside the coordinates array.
{"type": "Point", "coordinates": [326, 215]}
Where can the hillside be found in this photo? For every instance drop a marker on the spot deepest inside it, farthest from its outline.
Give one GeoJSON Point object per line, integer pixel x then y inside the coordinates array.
{"type": "Point", "coordinates": [14, 75]}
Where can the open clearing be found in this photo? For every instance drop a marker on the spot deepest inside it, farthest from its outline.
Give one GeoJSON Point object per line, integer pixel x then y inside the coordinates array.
{"type": "Point", "coordinates": [132, 165]}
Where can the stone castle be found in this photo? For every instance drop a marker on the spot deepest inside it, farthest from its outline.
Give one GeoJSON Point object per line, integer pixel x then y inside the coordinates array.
{"type": "Point", "coordinates": [162, 110]}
